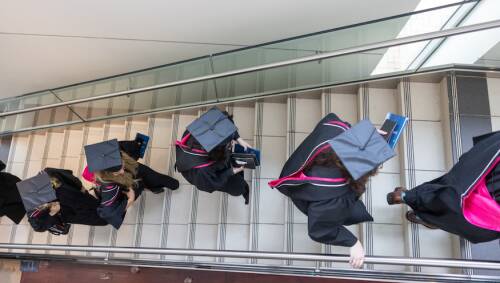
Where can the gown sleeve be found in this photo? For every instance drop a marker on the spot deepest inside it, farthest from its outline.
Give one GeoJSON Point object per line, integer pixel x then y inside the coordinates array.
{"type": "Point", "coordinates": [132, 148]}
{"type": "Point", "coordinates": [10, 201]}
{"type": "Point", "coordinates": [14, 211]}
{"type": "Point", "coordinates": [113, 205]}
{"type": "Point", "coordinates": [325, 219]}
{"type": "Point", "coordinates": [208, 178]}
{"type": "Point", "coordinates": [78, 207]}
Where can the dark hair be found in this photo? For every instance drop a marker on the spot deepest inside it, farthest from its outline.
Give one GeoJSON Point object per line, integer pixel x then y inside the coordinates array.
{"type": "Point", "coordinates": [328, 158]}
{"type": "Point", "coordinates": [229, 116]}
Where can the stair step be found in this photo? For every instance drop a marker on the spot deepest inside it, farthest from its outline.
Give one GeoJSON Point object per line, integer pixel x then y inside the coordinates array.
{"type": "Point", "coordinates": [187, 218]}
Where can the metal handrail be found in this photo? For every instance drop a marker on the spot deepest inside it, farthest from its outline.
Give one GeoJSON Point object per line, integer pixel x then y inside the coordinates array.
{"type": "Point", "coordinates": [450, 263]}
{"type": "Point", "coordinates": [318, 57]}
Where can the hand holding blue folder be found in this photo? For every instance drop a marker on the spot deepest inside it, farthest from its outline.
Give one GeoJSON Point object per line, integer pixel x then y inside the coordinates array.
{"type": "Point", "coordinates": [400, 124]}
{"type": "Point", "coordinates": [250, 157]}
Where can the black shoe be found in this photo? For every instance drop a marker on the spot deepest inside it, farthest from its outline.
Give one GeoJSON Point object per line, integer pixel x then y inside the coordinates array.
{"type": "Point", "coordinates": [246, 195]}
{"type": "Point", "coordinates": [412, 217]}
{"type": "Point", "coordinates": [173, 184]}
{"type": "Point", "coordinates": [395, 197]}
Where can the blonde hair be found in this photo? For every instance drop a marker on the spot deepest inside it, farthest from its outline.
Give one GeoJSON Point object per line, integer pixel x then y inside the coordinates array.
{"type": "Point", "coordinates": [127, 179]}
{"type": "Point", "coordinates": [55, 183]}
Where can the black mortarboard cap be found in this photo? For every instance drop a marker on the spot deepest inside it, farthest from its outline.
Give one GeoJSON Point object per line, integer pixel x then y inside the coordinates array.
{"type": "Point", "coordinates": [36, 191]}
{"type": "Point", "coordinates": [104, 156]}
{"type": "Point", "coordinates": [212, 128]}
{"type": "Point", "coordinates": [361, 149]}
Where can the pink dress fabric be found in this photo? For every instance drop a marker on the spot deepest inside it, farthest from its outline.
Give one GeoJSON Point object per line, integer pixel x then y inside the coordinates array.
{"type": "Point", "coordinates": [479, 207]}
{"type": "Point", "coordinates": [87, 175]}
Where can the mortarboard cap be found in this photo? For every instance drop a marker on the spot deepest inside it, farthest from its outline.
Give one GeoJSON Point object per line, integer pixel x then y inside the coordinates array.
{"type": "Point", "coordinates": [361, 149]}
{"type": "Point", "coordinates": [36, 191]}
{"type": "Point", "coordinates": [104, 156]}
{"type": "Point", "coordinates": [212, 128]}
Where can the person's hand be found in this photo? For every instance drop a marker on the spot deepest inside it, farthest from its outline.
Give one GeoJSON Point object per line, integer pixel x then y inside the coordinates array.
{"type": "Point", "coordinates": [357, 255]}
{"type": "Point", "coordinates": [382, 133]}
{"type": "Point", "coordinates": [54, 208]}
{"type": "Point", "coordinates": [243, 143]}
{"type": "Point", "coordinates": [130, 194]}
{"type": "Point", "coordinates": [237, 170]}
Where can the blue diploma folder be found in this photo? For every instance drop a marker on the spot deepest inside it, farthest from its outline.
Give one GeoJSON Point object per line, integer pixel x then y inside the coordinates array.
{"type": "Point", "coordinates": [143, 141]}
{"type": "Point", "coordinates": [401, 122]}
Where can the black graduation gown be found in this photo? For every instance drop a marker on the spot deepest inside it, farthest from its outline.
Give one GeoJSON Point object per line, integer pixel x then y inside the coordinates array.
{"type": "Point", "coordinates": [77, 207]}
{"type": "Point", "coordinates": [322, 193]}
{"type": "Point", "coordinates": [442, 202]}
{"type": "Point", "coordinates": [132, 148]}
{"type": "Point", "coordinates": [207, 175]}
{"type": "Point", "coordinates": [150, 178]}
{"type": "Point", "coordinates": [11, 204]}
{"type": "Point", "coordinates": [113, 201]}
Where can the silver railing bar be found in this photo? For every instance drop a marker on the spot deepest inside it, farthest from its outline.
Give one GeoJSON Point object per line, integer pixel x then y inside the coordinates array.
{"type": "Point", "coordinates": [321, 56]}
{"type": "Point", "coordinates": [450, 263]}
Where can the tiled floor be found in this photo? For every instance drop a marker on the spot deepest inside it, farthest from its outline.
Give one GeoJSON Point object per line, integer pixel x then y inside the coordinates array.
{"type": "Point", "coordinates": [184, 218]}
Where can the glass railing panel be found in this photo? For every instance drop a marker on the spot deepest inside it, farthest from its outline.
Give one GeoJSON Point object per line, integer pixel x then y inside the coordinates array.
{"type": "Point", "coordinates": [38, 119]}
{"type": "Point", "coordinates": [338, 39]}
{"type": "Point", "coordinates": [343, 69]}
{"type": "Point", "coordinates": [256, 82]}
{"type": "Point", "coordinates": [136, 80]}
{"type": "Point", "coordinates": [163, 99]}
{"type": "Point", "coordinates": [28, 101]}
{"type": "Point", "coordinates": [93, 89]}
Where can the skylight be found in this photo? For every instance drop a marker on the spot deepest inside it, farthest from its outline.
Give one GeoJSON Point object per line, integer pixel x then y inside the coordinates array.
{"type": "Point", "coordinates": [410, 56]}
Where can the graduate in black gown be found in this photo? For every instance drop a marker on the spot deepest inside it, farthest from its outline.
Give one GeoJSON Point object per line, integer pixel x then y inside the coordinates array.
{"type": "Point", "coordinates": [154, 181]}
{"type": "Point", "coordinates": [78, 206]}
{"type": "Point", "coordinates": [211, 170]}
{"type": "Point", "coordinates": [74, 205]}
{"type": "Point", "coordinates": [466, 200]}
{"type": "Point", "coordinates": [321, 187]}
{"type": "Point", "coordinates": [10, 200]}
{"type": "Point", "coordinates": [120, 180]}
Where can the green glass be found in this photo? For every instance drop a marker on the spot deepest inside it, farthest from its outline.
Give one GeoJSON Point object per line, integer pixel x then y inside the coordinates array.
{"type": "Point", "coordinates": [166, 74]}
{"type": "Point", "coordinates": [37, 119]}
{"type": "Point", "coordinates": [28, 101]}
{"type": "Point", "coordinates": [162, 99]}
